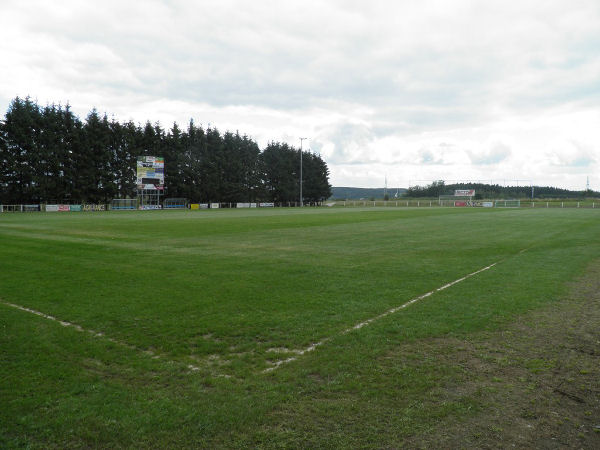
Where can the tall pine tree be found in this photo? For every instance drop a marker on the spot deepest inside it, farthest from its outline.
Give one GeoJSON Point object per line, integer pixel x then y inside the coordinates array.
{"type": "Point", "coordinates": [49, 155]}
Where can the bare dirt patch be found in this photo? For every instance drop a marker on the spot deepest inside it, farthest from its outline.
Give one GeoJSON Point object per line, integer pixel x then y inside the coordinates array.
{"type": "Point", "coordinates": [537, 381]}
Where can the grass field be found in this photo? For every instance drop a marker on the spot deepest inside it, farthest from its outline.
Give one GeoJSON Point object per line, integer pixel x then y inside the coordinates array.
{"type": "Point", "coordinates": [182, 324]}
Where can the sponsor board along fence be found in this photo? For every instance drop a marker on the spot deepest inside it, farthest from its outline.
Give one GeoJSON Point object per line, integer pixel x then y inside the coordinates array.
{"type": "Point", "coordinates": [411, 203]}
{"type": "Point", "coordinates": [459, 203]}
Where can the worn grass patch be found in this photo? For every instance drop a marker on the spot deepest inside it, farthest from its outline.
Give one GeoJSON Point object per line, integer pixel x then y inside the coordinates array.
{"type": "Point", "coordinates": [537, 381]}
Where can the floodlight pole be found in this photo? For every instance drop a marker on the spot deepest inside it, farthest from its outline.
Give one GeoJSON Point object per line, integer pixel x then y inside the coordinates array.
{"type": "Point", "coordinates": [301, 139]}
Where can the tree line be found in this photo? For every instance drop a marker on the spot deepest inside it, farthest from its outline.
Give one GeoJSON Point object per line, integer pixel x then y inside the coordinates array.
{"type": "Point", "coordinates": [47, 154]}
{"type": "Point", "coordinates": [495, 191]}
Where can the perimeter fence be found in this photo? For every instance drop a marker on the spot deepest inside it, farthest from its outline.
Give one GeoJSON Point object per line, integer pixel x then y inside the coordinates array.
{"type": "Point", "coordinates": [410, 203]}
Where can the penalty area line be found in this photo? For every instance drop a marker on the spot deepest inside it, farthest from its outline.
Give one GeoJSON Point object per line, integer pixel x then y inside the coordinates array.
{"type": "Point", "coordinates": [95, 334]}
{"type": "Point", "coordinates": [364, 323]}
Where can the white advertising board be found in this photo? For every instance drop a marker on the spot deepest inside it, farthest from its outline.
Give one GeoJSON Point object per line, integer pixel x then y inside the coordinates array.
{"type": "Point", "coordinates": [464, 192]}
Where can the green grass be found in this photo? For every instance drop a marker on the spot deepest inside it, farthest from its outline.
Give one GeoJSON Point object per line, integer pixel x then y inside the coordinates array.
{"type": "Point", "coordinates": [220, 289]}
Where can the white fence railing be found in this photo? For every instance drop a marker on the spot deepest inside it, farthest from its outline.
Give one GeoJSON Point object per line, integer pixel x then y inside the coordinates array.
{"type": "Point", "coordinates": [448, 203]}
{"type": "Point", "coordinates": [332, 203]}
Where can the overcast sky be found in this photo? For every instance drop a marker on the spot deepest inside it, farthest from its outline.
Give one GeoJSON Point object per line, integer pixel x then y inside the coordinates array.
{"type": "Point", "coordinates": [410, 90]}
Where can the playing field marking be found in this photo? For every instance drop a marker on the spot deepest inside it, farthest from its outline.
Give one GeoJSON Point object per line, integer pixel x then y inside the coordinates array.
{"type": "Point", "coordinates": [359, 325]}
{"type": "Point", "coordinates": [310, 348]}
{"type": "Point", "coordinates": [277, 364]}
{"type": "Point", "coordinates": [414, 300]}
{"type": "Point", "coordinates": [96, 334]}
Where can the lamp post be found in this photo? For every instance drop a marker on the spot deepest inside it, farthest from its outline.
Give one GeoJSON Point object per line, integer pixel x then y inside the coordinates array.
{"type": "Point", "coordinates": [301, 139]}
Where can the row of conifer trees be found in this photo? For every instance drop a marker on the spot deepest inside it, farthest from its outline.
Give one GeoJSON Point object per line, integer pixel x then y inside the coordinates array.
{"type": "Point", "coordinates": [47, 154]}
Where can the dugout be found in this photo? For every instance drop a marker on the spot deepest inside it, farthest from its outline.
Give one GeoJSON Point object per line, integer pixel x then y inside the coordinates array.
{"type": "Point", "coordinates": [123, 203]}
{"type": "Point", "coordinates": [175, 203]}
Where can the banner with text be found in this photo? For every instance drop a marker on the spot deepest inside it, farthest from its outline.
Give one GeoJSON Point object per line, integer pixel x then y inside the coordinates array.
{"type": "Point", "coordinates": [150, 174]}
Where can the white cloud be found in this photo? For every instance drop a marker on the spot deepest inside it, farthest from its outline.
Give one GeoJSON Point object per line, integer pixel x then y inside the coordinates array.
{"type": "Point", "coordinates": [431, 89]}
{"type": "Point", "coordinates": [495, 154]}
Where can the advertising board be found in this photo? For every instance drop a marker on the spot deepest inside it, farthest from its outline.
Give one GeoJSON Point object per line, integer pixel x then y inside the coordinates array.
{"type": "Point", "coordinates": [150, 173]}
{"type": "Point", "coordinates": [464, 192]}
{"type": "Point", "coordinates": [93, 207]}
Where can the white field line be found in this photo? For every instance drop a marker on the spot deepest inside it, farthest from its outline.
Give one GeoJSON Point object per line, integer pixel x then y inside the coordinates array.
{"type": "Point", "coordinates": [310, 348]}
{"type": "Point", "coordinates": [414, 300]}
{"type": "Point", "coordinates": [276, 364]}
{"type": "Point", "coordinates": [96, 334]}
{"type": "Point", "coordinates": [358, 326]}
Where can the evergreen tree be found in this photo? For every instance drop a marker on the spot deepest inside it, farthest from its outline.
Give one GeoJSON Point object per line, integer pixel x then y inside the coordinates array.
{"type": "Point", "coordinates": [131, 147]}
{"type": "Point", "coordinates": [95, 180]}
{"type": "Point", "coordinates": [315, 179]}
{"type": "Point", "coordinates": [48, 167]}
{"type": "Point", "coordinates": [72, 142]}
{"type": "Point", "coordinates": [239, 168]}
{"type": "Point", "coordinates": [174, 154]}
{"type": "Point", "coordinates": [21, 128]}
{"type": "Point", "coordinates": [280, 166]}
{"type": "Point", "coordinates": [191, 162]}
{"type": "Point", "coordinates": [212, 167]}
{"type": "Point", "coordinates": [4, 164]}
{"type": "Point", "coordinates": [49, 155]}
{"type": "Point", "coordinates": [251, 183]}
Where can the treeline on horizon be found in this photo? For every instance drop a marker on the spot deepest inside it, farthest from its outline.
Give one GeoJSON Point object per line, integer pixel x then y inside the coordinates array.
{"type": "Point", "coordinates": [495, 191]}
{"type": "Point", "coordinates": [47, 154]}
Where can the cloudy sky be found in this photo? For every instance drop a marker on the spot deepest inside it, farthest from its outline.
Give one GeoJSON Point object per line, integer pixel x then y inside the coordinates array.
{"type": "Point", "coordinates": [411, 90]}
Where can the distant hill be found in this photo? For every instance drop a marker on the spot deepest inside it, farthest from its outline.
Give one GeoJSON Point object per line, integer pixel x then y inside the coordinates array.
{"type": "Point", "coordinates": [353, 193]}
{"type": "Point", "coordinates": [494, 191]}
{"type": "Point", "coordinates": [482, 190]}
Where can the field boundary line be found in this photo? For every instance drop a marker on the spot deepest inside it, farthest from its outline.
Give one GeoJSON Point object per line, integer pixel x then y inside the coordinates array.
{"type": "Point", "coordinates": [390, 311]}
{"type": "Point", "coordinates": [94, 333]}
{"type": "Point", "coordinates": [416, 299]}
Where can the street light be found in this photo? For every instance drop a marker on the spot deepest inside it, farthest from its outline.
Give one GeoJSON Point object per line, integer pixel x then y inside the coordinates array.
{"type": "Point", "coordinates": [301, 139]}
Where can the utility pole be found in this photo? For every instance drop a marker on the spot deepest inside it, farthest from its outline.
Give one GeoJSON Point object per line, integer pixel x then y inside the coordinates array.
{"type": "Point", "coordinates": [385, 189]}
{"type": "Point", "coordinates": [301, 139]}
